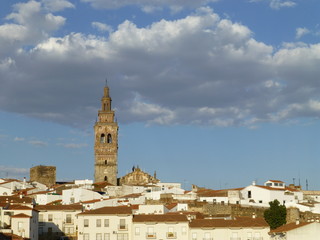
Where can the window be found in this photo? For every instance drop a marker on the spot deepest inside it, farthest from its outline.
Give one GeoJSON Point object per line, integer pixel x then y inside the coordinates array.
{"type": "Point", "coordinates": [122, 236]}
{"type": "Point", "coordinates": [20, 225]}
{"type": "Point", "coordinates": [40, 217]}
{"type": "Point", "coordinates": [98, 223]}
{"type": "Point", "coordinates": [105, 178]}
{"type": "Point", "coordinates": [99, 236]}
{"type": "Point", "coordinates": [49, 230]}
{"type": "Point", "coordinates": [137, 231]}
{"type": "Point", "coordinates": [106, 162]}
{"type": "Point", "coordinates": [86, 236]}
{"type": "Point", "coordinates": [102, 138]}
{"type": "Point", "coordinates": [122, 224]}
{"type": "Point", "coordinates": [106, 236]}
{"type": "Point", "coordinates": [109, 138]}
{"type": "Point", "coordinates": [281, 184]}
{"type": "Point", "coordinates": [68, 218]}
{"type": "Point", "coordinates": [50, 218]}
{"type": "Point", "coordinates": [106, 223]}
{"type": "Point", "coordinates": [194, 236]}
{"type": "Point", "coordinates": [260, 201]}
{"type": "Point", "coordinates": [184, 230]}
{"type": "Point", "coordinates": [276, 184]}
{"type": "Point", "coordinates": [269, 184]}
{"type": "Point", "coordinates": [207, 236]}
{"type": "Point", "coordinates": [86, 222]}
{"type": "Point", "coordinates": [249, 194]}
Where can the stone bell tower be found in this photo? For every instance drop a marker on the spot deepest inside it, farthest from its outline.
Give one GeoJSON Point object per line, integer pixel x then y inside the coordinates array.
{"type": "Point", "coordinates": [106, 142]}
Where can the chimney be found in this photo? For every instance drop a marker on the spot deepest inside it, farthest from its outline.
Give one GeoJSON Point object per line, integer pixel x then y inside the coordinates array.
{"type": "Point", "coordinates": [254, 215]}
{"type": "Point", "coordinates": [297, 221]}
{"type": "Point", "coordinates": [253, 183]}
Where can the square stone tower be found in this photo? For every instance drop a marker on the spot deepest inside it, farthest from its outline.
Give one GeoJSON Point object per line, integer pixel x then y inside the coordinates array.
{"type": "Point", "coordinates": [106, 142]}
{"type": "Point", "coordinates": [43, 174]}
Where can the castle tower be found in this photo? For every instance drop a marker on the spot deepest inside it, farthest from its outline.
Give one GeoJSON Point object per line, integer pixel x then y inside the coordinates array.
{"type": "Point", "coordinates": [106, 142]}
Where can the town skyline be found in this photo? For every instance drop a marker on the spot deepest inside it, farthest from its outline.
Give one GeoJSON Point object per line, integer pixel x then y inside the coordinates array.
{"type": "Point", "coordinates": [213, 94]}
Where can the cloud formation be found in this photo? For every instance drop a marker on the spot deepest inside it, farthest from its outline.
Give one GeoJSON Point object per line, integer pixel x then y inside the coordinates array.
{"type": "Point", "coordinates": [149, 5]}
{"type": "Point", "coordinates": [200, 69]}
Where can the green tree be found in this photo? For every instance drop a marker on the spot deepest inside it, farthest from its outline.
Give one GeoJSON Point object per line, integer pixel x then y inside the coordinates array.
{"type": "Point", "coordinates": [276, 215]}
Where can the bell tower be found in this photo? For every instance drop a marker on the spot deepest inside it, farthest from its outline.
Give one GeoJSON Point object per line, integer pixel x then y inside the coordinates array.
{"type": "Point", "coordinates": [106, 142]}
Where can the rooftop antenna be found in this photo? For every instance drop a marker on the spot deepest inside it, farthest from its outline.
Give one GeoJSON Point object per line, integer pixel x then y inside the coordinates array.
{"type": "Point", "coordinates": [307, 185]}
{"type": "Point", "coordinates": [106, 82]}
{"type": "Point", "coordinates": [294, 182]}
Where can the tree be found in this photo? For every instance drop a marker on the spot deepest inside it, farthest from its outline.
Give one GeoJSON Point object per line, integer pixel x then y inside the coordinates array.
{"type": "Point", "coordinates": [276, 215]}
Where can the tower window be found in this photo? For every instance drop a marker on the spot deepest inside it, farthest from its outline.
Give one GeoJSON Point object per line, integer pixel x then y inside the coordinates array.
{"type": "Point", "coordinates": [106, 162]}
{"type": "Point", "coordinates": [102, 138]}
{"type": "Point", "coordinates": [109, 138]}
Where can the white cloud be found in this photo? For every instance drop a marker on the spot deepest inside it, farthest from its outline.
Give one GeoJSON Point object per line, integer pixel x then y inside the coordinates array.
{"type": "Point", "coordinates": [102, 27]}
{"type": "Point", "coordinates": [149, 6]}
{"type": "Point", "coordinates": [73, 145]}
{"type": "Point", "coordinates": [38, 143]}
{"type": "Point", "coordinates": [301, 32]}
{"type": "Point", "coordinates": [28, 25]}
{"type": "Point", "coordinates": [18, 139]}
{"type": "Point", "coordinates": [277, 4]}
{"type": "Point", "coordinates": [200, 69]}
{"type": "Point", "coordinates": [13, 172]}
{"type": "Point", "coordinates": [57, 5]}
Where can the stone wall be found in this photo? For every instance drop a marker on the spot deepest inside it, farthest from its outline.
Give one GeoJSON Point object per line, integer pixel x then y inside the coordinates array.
{"type": "Point", "coordinates": [43, 174]}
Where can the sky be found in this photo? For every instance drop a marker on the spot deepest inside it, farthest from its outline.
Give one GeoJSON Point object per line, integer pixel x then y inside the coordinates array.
{"type": "Point", "coordinates": [217, 93]}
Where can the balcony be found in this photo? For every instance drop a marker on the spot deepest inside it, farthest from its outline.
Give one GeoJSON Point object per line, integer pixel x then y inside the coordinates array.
{"type": "Point", "coordinates": [123, 227]}
{"type": "Point", "coordinates": [171, 235]}
{"type": "Point", "coordinates": [68, 222]}
{"type": "Point", "coordinates": [151, 235]}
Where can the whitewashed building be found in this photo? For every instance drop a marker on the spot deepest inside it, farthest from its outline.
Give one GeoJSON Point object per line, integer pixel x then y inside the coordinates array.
{"type": "Point", "coordinates": [233, 229]}
{"type": "Point", "coordinates": [107, 223]}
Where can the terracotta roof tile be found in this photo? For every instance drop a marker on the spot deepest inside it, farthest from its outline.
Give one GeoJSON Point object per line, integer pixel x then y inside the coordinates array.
{"type": "Point", "coordinates": [289, 226]}
{"type": "Point", "coordinates": [160, 218]}
{"type": "Point", "coordinates": [237, 222]}
{"type": "Point", "coordinates": [109, 211]}
{"type": "Point", "coordinates": [74, 207]}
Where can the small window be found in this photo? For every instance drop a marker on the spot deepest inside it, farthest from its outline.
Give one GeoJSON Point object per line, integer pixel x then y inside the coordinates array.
{"type": "Point", "coordinates": [68, 218]}
{"type": "Point", "coordinates": [98, 236]}
{"type": "Point", "coordinates": [102, 138]}
{"type": "Point", "coordinates": [105, 178]}
{"type": "Point", "coordinates": [249, 194]}
{"type": "Point", "coordinates": [86, 222]}
{"type": "Point", "coordinates": [106, 162]}
{"type": "Point", "coordinates": [50, 218]}
{"type": "Point", "coordinates": [106, 223]}
{"type": "Point", "coordinates": [107, 236]}
{"type": "Point", "coordinates": [109, 138]}
{"type": "Point", "coordinates": [98, 223]}
{"type": "Point", "coordinates": [86, 236]}
{"type": "Point", "coordinates": [137, 231]}
{"type": "Point", "coordinates": [276, 184]}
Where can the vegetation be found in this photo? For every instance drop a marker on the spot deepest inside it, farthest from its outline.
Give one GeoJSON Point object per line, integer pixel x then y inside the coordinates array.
{"type": "Point", "coordinates": [276, 215]}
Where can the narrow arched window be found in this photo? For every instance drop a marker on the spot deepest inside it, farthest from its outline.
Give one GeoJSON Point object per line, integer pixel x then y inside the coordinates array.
{"type": "Point", "coordinates": [106, 162]}
{"type": "Point", "coordinates": [105, 178]}
{"type": "Point", "coordinates": [102, 138]}
{"type": "Point", "coordinates": [109, 138]}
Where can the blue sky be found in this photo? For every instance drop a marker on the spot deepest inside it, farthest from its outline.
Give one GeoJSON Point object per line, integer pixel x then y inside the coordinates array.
{"type": "Point", "coordinates": [216, 93]}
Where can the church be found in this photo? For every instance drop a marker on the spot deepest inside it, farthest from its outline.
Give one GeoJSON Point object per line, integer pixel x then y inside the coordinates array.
{"type": "Point", "coordinates": [106, 149]}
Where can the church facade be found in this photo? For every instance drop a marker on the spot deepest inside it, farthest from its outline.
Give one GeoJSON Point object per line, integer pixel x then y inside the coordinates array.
{"type": "Point", "coordinates": [106, 142]}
